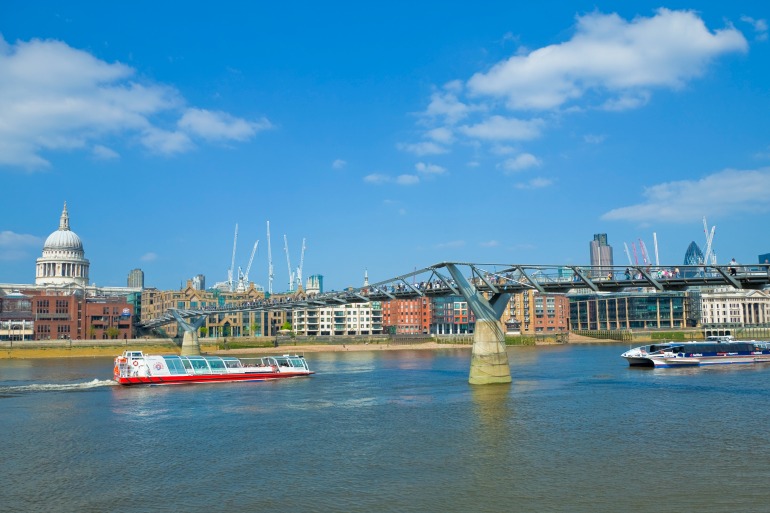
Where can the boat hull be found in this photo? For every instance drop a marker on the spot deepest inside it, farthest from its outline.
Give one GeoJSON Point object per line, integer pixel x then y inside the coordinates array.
{"type": "Point", "coordinates": [223, 378]}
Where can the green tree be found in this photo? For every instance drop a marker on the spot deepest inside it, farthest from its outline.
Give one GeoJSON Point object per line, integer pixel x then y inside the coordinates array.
{"type": "Point", "coordinates": [112, 332]}
{"type": "Point", "coordinates": [286, 326]}
{"type": "Point", "coordinates": [203, 331]}
{"type": "Point", "coordinates": [255, 327]}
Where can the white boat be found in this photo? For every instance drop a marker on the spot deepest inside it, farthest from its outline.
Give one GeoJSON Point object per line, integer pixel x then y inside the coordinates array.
{"type": "Point", "coordinates": [137, 368]}
{"type": "Point", "coordinates": [715, 350]}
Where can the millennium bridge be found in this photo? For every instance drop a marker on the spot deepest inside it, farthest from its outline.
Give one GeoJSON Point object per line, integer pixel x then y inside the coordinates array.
{"type": "Point", "coordinates": [487, 289]}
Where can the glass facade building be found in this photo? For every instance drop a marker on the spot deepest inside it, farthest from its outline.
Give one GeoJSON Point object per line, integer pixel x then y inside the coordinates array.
{"type": "Point", "coordinates": [630, 311]}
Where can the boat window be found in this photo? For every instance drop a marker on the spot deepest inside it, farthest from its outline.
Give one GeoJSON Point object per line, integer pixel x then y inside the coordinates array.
{"type": "Point", "coordinates": [199, 365]}
{"type": "Point", "coordinates": [283, 362]}
{"type": "Point", "coordinates": [186, 363]}
{"type": "Point", "coordinates": [174, 364]}
{"type": "Point", "coordinates": [297, 362]}
{"type": "Point", "coordinates": [215, 362]}
{"type": "Point", "coordinates": [232, 363]}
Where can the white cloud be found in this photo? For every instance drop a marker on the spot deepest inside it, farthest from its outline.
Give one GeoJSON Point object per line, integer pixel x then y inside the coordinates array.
{"type": "Point", "coordinates": [376, 178]}
{"type": "Point", "coordinates": [521, 162]}
{"type": "Point", "coordinates": [17, 246]}
{"type": "Point", "coordinates": [445, 105]}
{"type": "Point", "coordinates": [441, 135]}
{"type": "Point", "coordinates": [594, 138]}
{"type": "Point", "coordinates": [104, 153]}
{"type": "Point", "coordinates": [723, 193]}
{"type": "Point", "coordinates": [760, 27]}
{"type": "Point", "coordinates": [454, 244]}
{"type": "Point", "coordinates": [339, 164]}
{"type": "Point", "coordinates": [609, 54]}
{"type": "Point", "coordinates": [149, 257]}
{"type": "Point", "coordinates": [165, 142]}
{"type": "Point", "coordinates": [500, 128]}
{"type": "Point", "coordinates": [535, 183]}
{"type": "Point", "coordinates": [490, 244]}
{"type": "Point", "coordinates": [423, 148]}
{"type": "Point", "coordinates": [54, 97]}
{"type": "Point", "coordinates": [429, 169]}
{"type": "Point", "coordinates": [407, 179]}
{"type": "Point", "coordinates": [218, 126]}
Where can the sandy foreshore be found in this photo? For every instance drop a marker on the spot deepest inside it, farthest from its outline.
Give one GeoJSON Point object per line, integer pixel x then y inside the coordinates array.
{"type": "Point", "coordinates": [169, 348]}
{"type": "Point", "coordinates": [94, 352]}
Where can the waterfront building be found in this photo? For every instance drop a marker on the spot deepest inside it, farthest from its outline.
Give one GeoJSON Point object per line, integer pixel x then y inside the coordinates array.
{"type": "Point", "coordinates": [136, 279]}
{"type": "Point", "coordinates": [347, 319]}
{"type": "Point", "coordinates": [16, 318]}
{"type": "Point", "coordinates": [451, 316]}
{"type": "Point", "coordinates": [631, 310]}
{"type": "Point", "coordinates": [601, 255]}
{"type": "Point", "coordinates": [219, 323]}
{"type": "Point", "coordinates": [725, 310]}
{"type": "Point", "coordinates": [531, 312]}
{"type": "Point", "coordinates": [407, 316]}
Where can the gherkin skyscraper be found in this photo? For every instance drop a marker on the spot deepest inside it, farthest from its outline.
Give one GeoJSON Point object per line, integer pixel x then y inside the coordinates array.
{"type": "Point", "coordinates": [693, 256]}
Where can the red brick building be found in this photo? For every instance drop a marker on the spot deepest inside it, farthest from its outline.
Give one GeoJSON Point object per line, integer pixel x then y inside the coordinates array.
{"type": "Point", "coordinates": [407, 316]}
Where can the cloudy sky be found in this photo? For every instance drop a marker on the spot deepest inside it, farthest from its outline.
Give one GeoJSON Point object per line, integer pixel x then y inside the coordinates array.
{"type": "Point", "coordinates": [390, 136]}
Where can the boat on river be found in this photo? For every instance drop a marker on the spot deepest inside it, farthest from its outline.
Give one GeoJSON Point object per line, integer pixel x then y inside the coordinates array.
{"type": "Point", "coordinates": [715, 350]}
{"type": "Point", "coordinates": [137, 368]}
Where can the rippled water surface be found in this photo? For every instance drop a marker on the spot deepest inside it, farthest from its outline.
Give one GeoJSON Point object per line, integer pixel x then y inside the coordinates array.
{"type": "Point", "coordinates": [576, 431]}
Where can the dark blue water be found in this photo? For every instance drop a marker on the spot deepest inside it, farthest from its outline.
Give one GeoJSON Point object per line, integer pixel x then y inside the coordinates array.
{"type": "Point", "coordinates": [576, 431]}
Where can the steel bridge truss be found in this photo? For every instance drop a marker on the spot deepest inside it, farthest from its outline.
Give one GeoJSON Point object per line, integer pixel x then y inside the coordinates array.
{"type": "Point", "coordinates": [494, 282]}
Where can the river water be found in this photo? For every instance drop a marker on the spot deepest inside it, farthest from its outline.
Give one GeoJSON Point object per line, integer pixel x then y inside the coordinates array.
{"type": "Point", "coordinates": [578, 430]}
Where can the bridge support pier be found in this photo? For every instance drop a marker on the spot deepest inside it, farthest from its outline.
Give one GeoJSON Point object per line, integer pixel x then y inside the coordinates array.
{"type": "Point", "coordinates": [190, 344]}
{"type": "Point", "coordinates": [489, 359]}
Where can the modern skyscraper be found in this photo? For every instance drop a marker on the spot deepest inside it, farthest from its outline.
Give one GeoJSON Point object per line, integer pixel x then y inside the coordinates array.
{"type": "Point", "coordinates": [601, 255]}
{"type": "Point", "coordinates": [199, 282]}
{"type": "Point", "coordinates": [136, 279]}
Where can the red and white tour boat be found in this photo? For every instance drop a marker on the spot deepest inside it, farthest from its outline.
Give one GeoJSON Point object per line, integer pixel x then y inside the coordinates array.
{"type": "Point", "coordinates": [137, 368]}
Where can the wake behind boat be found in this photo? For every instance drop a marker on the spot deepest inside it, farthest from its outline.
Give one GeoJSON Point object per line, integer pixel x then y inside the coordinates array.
{"type": "Point", "coordinates": [136, 368]}
{"type": "Point", "coordinates": [715, 350]}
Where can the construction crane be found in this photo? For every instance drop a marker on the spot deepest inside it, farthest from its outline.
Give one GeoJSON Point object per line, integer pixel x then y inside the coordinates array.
{"type": "Point", "coordinates": [709, 257]}
{"type": "Point", "coordinates": [269, 263]}
{"type": "Point", "coordinates": [243, 277]}
{"type": "Point", "coordinates": [230, 272]}
{"type": "Point", "coordinates": [643, 248]}
{"type": "Point", "coordinates": [301, 263]}
{"type": "Point", "coordinates": [630, 262]}
{"type": "Point", "coordinates": [288, 263]}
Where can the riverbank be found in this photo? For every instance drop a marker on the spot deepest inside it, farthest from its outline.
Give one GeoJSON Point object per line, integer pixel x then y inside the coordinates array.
{"type": "Point", "coordinates": [82, 349]}
{"type": "Point", "coordinates": [17, 352]}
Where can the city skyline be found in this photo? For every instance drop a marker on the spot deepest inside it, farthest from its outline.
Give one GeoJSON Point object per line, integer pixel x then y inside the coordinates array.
{"type": "Point", "coordinates": [390, 137]}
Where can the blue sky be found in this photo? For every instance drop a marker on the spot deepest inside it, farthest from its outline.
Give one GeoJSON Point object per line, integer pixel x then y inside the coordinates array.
{"type": "Point", "coordinates": [390, 136]}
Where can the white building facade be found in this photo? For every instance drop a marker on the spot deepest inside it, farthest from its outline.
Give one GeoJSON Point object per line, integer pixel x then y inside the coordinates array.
{"type": "Point", "coordinates": [735, 307]}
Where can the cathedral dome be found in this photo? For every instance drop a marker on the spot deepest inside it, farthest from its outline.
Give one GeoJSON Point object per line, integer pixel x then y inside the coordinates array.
{"type": "Point", "coordinates": [63, 238]}
{"type": "Point", "coordinates": [63, 262]}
